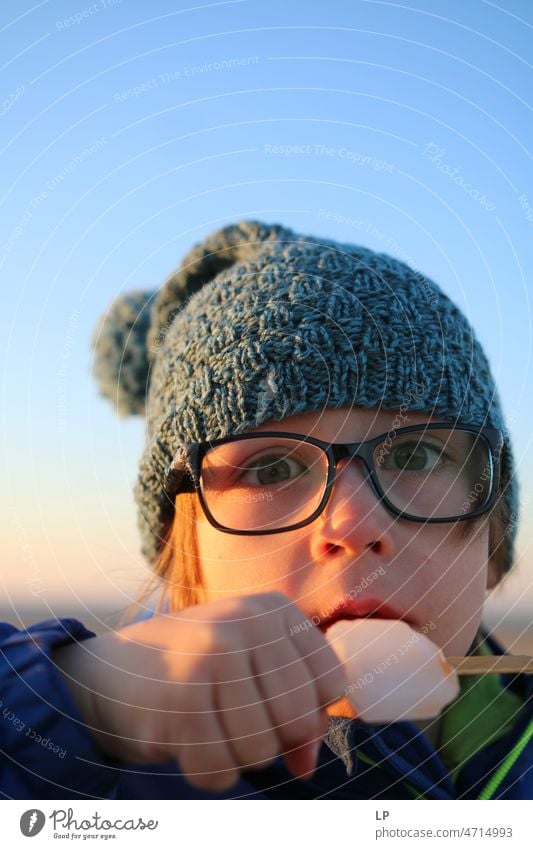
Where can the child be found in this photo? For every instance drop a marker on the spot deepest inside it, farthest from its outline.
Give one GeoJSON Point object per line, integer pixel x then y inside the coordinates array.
{"type": "Point", "coordinates": [231, 689]}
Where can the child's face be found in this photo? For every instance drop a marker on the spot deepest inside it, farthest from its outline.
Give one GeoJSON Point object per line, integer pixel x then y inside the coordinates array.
{"type": "Point", "coordinates": [426, 574]}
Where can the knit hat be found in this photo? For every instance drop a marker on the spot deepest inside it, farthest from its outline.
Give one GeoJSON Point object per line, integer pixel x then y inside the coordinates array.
{"type": "Point", "coordinates": [259, 323]}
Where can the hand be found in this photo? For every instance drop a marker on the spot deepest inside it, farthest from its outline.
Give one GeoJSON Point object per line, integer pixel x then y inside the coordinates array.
{"type": "Point", "coordinates": [221, 687]}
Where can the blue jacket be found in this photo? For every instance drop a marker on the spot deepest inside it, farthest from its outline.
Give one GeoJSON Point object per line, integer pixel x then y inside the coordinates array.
{"type": "Point", "coordinates": [46, 752]}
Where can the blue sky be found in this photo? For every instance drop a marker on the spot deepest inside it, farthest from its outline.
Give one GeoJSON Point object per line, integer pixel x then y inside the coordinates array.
{"type": "Point", "coordinates": [129, 131]}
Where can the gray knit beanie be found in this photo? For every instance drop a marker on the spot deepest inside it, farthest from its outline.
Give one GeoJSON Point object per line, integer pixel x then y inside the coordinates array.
{"type": "Point", "coordinates": [259, 323]}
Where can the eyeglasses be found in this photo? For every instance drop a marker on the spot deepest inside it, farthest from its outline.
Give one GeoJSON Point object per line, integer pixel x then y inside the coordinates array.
{"type": "Point", "coordinates": [273, 481]}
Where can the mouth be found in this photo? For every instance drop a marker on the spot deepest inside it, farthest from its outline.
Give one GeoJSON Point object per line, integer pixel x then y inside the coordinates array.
{"type": "Point", "coordinates": [370, 608]}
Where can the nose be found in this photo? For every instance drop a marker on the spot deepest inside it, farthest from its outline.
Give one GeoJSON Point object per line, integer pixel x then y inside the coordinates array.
{"type": "Point", "coordinates": [354, 519]}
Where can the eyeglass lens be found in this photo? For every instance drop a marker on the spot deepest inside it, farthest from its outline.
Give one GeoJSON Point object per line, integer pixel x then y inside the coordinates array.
{"type": "Point", "coordinates": [267, 483]}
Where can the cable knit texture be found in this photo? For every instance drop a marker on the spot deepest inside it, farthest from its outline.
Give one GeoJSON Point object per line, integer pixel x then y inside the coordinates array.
{"type": "Point", "coordinates": [121, 364]}
{"type": "Point", "coordinates": [259, 323]}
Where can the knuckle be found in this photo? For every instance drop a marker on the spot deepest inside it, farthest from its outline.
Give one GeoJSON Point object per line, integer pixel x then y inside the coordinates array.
{"type": "Point", "coordinates": [151, 738]}
{"type": "Point", "coordinates": [217, 760]}
{"type": "Point", "coordinates": [301, 688]}
{"type": "Point", "coordinates": [333, 685]}
{"type": "Point", "coordinates": [265, 753]}
{"type": "Point", "coordinates": [215, 782]}
{"type": "Point", "coordinates": [224, 639]}
{"type": "Point", "coordinates": [153, 753]}
{"type": "Point", "coordinates": [292, 704]}
{"type": "Point", "coordinates": [222, 644]}
{"type": "Point", "coordinates": [273, 601]}
{"type": "Point", "coordinates": [303, 728]}
{"type": "Point", "coordinates": [278, 597]}
{"type": "Point", "coordinates": [210, 759]}
{"type": "Point", "coordinates": [256, 751]}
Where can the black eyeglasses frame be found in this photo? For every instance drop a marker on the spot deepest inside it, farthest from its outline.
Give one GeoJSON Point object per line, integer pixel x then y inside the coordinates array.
{"type": "Point", "coordinates": [183, 475]}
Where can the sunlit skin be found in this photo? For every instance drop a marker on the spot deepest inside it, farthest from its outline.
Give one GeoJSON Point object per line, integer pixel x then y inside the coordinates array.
{"type": "Point", "coordinates": [244, 708]}
{"type": "Point", "coordinates": [431, 575]}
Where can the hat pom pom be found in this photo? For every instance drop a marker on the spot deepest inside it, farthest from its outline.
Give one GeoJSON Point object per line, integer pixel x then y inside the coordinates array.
{"type": "Point", "coordinates": [121, 366]}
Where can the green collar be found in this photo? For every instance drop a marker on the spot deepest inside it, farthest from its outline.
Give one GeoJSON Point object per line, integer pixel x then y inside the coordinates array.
{"type": "Point", "coordinates": [482, 712]}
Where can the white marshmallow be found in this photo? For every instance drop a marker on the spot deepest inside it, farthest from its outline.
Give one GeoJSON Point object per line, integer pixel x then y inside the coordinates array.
{"type": "Point", "coordinates": [394, 672]}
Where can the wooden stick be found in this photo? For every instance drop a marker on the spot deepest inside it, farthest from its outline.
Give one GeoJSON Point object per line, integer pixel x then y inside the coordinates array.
{"type": "Point", "coordinates": [479, 665]}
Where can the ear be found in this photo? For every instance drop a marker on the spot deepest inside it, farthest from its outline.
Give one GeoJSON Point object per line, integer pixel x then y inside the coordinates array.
{"type": "Point", "coordinates": [492, 575]}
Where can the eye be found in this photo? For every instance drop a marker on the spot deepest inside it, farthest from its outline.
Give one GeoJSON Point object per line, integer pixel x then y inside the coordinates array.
{"type": "Point", "coordinates": [415, 456]}
{"type": "Point", "coordinates": [263, 462]}
{"type": "Point", "coordinates": [271, 469]}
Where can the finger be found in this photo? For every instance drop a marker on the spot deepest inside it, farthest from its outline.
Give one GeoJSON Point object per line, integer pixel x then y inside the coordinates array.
{"type": "Point", "coordinates": [324, 666]}
{"type": "Point", "coordinates": [243, 717]}
{"type": "Point", "coordinates": [302, 760]}
{"type": "Point", "coordinates": [203, 754]}
{"type": "Point", "coordinates": [288, 691]}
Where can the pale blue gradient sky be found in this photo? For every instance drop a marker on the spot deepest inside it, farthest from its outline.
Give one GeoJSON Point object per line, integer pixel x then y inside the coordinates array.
{"type": "Point", "coordinates": [121, 148]}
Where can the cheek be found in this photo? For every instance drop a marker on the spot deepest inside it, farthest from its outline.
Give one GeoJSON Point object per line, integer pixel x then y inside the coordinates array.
{"type": "Point", "coordinates": [458, 573]}
{"type": "Point", "coordinates": [233, 564]}
{"type": "Point", "coordinates": [469, 565]}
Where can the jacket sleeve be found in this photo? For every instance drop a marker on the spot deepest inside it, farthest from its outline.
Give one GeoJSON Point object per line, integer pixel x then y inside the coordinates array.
{"type": "Point", "coordinates": [45, 750]}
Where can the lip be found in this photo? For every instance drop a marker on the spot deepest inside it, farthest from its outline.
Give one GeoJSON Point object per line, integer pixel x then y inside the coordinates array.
{"type": "Point", "coordinates": [368, 608]}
